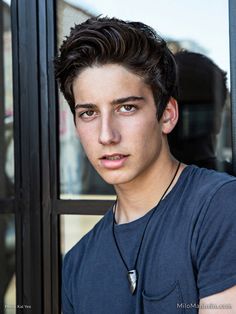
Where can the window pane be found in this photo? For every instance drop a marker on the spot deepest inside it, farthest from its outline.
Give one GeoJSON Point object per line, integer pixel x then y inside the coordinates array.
{"type": "Point", "coordinates": [73, 228]}
{"type": "Point", "coordinates": [7, 262]}
{"type": "Point", "coordinates": [199, 27]}
{"type": "Point", "coordinates": [6, 104]}
{"type": "Point", "coordinates": [77, 176]}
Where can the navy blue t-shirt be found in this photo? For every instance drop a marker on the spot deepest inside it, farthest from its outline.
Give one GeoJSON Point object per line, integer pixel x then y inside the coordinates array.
{"type": "Point", "coordinates": [188, 252]}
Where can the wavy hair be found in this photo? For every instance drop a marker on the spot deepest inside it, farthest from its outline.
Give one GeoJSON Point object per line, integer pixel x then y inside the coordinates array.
{"type": "Point", "coordinates": [134, 45]}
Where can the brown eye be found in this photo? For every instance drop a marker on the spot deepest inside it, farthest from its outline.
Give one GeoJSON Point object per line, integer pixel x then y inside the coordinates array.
{"type": "Point", "coordinates": [86, 115]}
{"type": "Point", "coordinates": [89, 113]}
{"type": "Point", "coordinates": [127, 108]}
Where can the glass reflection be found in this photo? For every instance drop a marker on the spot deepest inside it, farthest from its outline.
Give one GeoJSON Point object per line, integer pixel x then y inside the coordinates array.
{"type": "Point", "coordinates": [208, 37]}
{"type": "Point", "coordinates": [6, 104]}
{"type": "Point", "coordinates": [7, 262]}
{"type": "Point", "coordinates": [77, 176]}
{"type": "Point", "coordinates": [203, 103]}
{"type": "Point", "coordinates": [73, 228]}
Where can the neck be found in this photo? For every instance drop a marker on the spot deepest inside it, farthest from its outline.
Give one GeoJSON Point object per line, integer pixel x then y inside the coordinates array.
{"type": "Point", "coordinates": [135, 199]}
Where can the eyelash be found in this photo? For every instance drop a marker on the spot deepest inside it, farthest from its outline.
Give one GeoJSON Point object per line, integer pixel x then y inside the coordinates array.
{"type": "Point", "coordinates": [132, 107]}
{"type": "Point", "coordinates": [82, 114]}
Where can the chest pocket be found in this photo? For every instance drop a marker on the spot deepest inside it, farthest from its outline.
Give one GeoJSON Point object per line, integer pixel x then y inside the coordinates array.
{"type": "Point", "coordinates": [167, 302]}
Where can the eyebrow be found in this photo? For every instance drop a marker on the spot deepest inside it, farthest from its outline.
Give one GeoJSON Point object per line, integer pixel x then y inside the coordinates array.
{"type": "Point", "coordinates": [86, 106]}
{"type": "Point", "coordinates": [126, 99]}
{"type": "Point", "coordinates": [114, 102]}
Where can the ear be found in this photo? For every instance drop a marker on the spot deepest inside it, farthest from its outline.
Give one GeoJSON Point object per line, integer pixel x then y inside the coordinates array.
{"type": "Point", "coordinates": [170, 116]}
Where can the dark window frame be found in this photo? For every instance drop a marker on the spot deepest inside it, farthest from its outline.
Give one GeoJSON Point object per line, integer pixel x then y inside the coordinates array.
{"type": "Point", "coordinates": [37, 205]}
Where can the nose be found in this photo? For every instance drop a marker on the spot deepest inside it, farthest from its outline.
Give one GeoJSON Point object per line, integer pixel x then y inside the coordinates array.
{"type": "Point", "coordinates": [109, 133]}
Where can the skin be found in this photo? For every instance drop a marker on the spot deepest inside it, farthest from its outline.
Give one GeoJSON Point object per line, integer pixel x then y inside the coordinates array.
{"type": "Point", "coordinates": [226, 297]}
{"type": "Point", "coordinates": [116, 113]}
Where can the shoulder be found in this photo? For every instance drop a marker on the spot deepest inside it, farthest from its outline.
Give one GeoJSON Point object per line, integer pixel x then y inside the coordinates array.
{"type": "Point", "coordinates": [74, 257]}
{"type": "Point", "coordinates": [214, 231]}
{"type": "Point", "coordinates": [221, 206]}
{"type": "Point", "coordinates": [202, 185]}
{"type": "Point", "coordinates": [206, 179]}
{"type": "Point", "coordinates": [215, 212]}
{"type": "Point", "coordinates": [202, 192]}
{"type": "Point", "coordinates": [74, 261]}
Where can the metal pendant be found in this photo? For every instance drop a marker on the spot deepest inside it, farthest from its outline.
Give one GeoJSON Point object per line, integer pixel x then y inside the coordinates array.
{"type": "Point", "coordinates": [132, 277]}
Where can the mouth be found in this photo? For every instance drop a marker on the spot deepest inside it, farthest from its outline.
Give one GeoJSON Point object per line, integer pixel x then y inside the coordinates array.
{"type": "Point", "coordinates": [113, 161]}
{"type": "Point", "coordinates": [113, 157]}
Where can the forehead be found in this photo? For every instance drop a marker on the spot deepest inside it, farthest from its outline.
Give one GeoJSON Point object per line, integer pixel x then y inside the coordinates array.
{"type": "Point", "coordinates": [108, 81]}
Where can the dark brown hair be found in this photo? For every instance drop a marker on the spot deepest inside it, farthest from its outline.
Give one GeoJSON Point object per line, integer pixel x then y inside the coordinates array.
{"type": "Point", "coordinates": [133, 45]}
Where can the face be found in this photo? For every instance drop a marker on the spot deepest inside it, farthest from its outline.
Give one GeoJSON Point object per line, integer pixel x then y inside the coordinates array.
{"type": "Point", "coordinates": [116, 123]}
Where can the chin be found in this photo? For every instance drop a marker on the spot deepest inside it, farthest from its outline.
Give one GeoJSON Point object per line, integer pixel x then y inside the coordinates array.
{"type": "Point", "coordinates": [116, 179]}
{"type": "Point", "coordinates": [113, 181]}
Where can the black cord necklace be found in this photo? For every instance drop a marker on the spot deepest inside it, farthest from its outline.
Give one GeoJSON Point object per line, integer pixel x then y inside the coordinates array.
{"type": "Point", "coordinates": [132, 274]}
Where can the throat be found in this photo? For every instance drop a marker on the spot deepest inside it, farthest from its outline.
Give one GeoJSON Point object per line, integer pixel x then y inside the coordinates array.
{"type": "Point", "coordinates": [134, 204]}
{"type": "Point", "coordinates": [123, 216]}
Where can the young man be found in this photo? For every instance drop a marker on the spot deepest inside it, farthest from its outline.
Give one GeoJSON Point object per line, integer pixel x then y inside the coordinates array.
{"type": "Point", "coordinates": [168, 243]}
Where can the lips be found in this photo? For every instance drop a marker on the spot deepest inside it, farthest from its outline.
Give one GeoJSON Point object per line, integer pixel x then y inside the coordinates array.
{"type": "Point", "coordinates": [113, 161]}
{"type": "Point", "coordinates": [114, 157]}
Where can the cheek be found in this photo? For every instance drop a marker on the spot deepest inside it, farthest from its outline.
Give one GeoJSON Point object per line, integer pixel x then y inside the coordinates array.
{"type": "Point", "coordinates": [144, 141]}
{"type": "Point", "coordinates": [149, 138]}
{"type": "Point", "coordinates": [144, 130]}
{"type": "Point", "coordinates": [86, 138]}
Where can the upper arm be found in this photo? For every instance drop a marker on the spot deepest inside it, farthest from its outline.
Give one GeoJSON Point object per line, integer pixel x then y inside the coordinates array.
{"type": "Point", "coordinates": [215, 249]}
{"type": "Point", "coordinates": [222, 302]}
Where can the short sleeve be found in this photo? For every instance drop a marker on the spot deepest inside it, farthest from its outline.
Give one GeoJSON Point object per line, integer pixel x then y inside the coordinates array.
{"type": "Point", "coordinates": [215, 249]}
{"type": "Point", "coordinates": [67, 307]}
